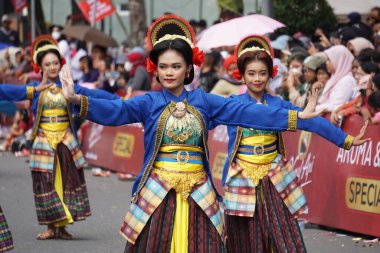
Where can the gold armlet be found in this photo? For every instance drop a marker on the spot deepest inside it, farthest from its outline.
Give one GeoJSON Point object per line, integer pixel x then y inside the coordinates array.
{"type": "Point", "coordinates": [83, 107]}
{"type": "Point", "coordinates": [29, 92]}
{"type": "Point", "coordinates": [348, 142]}
{"type": "Point", "coordinates": [292, 120]}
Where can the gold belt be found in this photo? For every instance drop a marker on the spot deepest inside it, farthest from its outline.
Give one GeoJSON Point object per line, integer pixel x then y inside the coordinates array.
{"type": "Point", "coordinates": [181, 181]}
{"type": "Point", "coordinates": [253, 171]}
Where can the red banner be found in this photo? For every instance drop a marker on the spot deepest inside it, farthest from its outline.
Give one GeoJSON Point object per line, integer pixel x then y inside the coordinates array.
{"type": "Point", "coordinates": [342, 187]}
{"type": "Point", "coordinates": [104, 8]}
{"type": "Point", "coordinates": [18, 5]}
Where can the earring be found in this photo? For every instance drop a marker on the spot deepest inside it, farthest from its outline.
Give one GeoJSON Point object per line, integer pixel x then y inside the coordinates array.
{"type": "Point", "coordinates": [187, 74]}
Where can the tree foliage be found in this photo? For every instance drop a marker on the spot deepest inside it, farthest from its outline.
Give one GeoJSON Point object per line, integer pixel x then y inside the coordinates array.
{"type": "Point", "coordinates": [304, 16]}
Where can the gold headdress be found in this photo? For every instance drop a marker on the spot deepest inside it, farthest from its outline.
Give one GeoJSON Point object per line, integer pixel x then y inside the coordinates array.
{"type": "Point", "coordinates": [40, 44]}
{"type": "Point", "coordinates": [170, 27]}
{"type": "Point", "coordinates": [254, 43]}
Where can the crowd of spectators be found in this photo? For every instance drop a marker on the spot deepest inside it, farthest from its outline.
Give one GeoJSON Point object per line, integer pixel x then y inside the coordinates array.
{"type": "Point", "coordinates": [344, 60]}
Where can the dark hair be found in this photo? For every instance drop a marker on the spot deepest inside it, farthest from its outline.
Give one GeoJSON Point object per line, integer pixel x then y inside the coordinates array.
{"type": "Point", "coordinates": [202, 23]}
{"type": "Point", "coordinates": [324, 68]}
{"type": "Point", "coordinates": [374, 100]}
{"type": "Point", "coordinates": [180, 46]}
{"type": "Point", "coordinates": [42, 54]}
{"type": "Point", "coordinates": [88, 59]}
{"type": "Point", "coordinates": [249, 57]}
{"type": "Point", "coordinates": [365, 55]}
{"type": "Point", "coordinates": [298, 56]}
{"type": "Point", "coordinates": [376, 81]}
{"type": "Point", "coordinates": [369, 67]}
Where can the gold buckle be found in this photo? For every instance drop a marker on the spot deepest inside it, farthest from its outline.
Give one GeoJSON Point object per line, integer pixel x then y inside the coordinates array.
{"type": "Point", "coordinates": [183, 159]}
{"type": "Point", "coordinates": [53, 119]}
{"type": "Point", "coordinates": [260, 148]}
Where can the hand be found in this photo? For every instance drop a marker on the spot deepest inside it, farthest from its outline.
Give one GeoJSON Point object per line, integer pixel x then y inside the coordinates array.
{"type": "Point", "coordinates": [313, 97]}
{"type": "Point", "coordinates": [43, 84]}
{"type": "Point", "coordinates": [129, 93]}
{"type": "Point", "coordinates": [312, 49]}
{"type": "Point", "coordinates": [334, 118]}
{"type": "Point", "coordinates": [68, 85]}
{"type": "Point", "coordinates": [359, 139]}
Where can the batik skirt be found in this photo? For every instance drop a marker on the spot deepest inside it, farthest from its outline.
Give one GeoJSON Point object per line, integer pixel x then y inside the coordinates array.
{"type": "Point", "coordinates": [157, 233]}
{"type": "Point", "coordinates": [272, 229]}
{"type": "Point", "coordinates": [50, 209]}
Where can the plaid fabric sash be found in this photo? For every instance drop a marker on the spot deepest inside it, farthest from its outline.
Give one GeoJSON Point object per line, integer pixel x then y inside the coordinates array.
{"type": "Point", "coordinates": [42, 154]}
{"type": "Point", "coordinates": [6, 242]}
{"type": "Point", "coordinates": [240, 191]}
{"type": "Point", "coordinates": [151, 196]}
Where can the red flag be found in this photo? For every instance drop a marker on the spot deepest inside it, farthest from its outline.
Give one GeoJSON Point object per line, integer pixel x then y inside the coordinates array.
{"type": "Point", "coordinates": [104, 8]}
{"type": "Point", "coordinates": [18, 5]}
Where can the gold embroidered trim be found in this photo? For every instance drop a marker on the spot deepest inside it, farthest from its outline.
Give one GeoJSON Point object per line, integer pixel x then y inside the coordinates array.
{"type": "Point", "coordinates": [83, 107]}
{"type": "Point", "coordinates": [181, 181]}
{"type": "Point", "coordinates": [292, 120]}
{"type": "Point", "coordinates": [198, 115]}
{"type": "Point", "coordinates": [159, 133]}
{"type": "Point", "coordinates": [255, 172]}
{"type": "Point", "coordinates": [348, 142]}
{"type": "Point", "coordinates": [38, 116]}
{"type": "Point", "coordinates": [281, 144]}
{"type": "Point", "coordinates": [239, 133]}
{"type": "Point", "coordinates": [29, 92]}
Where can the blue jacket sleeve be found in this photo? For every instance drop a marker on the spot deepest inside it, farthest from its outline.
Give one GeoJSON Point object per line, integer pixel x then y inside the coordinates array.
{"type": "Point", "coordinates": [94, 93]}
{"type": "Point", "coordinates": [229, 111]}
{"type": "Point", "coordinates": [13, 92]}
{"type": "Point", "coordinates": [118, 112]}
{"type": "Point", "coordinates": [320, 126]}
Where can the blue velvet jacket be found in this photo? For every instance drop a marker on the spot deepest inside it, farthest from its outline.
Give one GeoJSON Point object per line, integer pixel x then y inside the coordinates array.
{"type": "Point", "coordinates": [20, 92]}
{"type": "Point", "coordinates": [317, 125]}
{"type": "Point", "coordinates": [152, 110]}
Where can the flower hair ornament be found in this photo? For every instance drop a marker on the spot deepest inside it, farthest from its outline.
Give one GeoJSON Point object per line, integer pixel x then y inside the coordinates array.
{"type": "Point", "coordinates": [170, 27]}
{"type": "Point", "coordinates": [40, 44]}
{"type": "Point", "coordinates": [254, 43]}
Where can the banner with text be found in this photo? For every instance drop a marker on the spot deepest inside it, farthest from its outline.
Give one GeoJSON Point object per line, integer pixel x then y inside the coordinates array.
{"type": "Point", "coordinates": [104, 8]}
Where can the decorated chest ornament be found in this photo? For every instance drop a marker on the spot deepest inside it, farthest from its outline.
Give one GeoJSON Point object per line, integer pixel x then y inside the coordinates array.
{"type": "Point", "coordinates": [254, 43]}
{"type": "Point", "coordinates": [170, 27]}
{"type": "Point", "coordinates": [41, 44]}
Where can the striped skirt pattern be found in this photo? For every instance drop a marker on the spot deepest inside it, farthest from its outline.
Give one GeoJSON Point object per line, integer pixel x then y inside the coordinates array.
{"type": "Point", "coordinates": [6, 242]}
{"type": "Point", "coordinates": [157, 233]}
{"type": "Point", "coordinates": [48, 205]}
{"type": "Point", "coordinates": [272, 229]}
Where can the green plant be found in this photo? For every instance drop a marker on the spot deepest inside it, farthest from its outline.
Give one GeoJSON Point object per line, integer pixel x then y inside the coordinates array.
{"type": "Point", "coordinates": [304, 16]}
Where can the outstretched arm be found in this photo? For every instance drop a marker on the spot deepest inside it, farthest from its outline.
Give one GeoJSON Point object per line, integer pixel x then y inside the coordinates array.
{"type": "Point", "coordinates": [229, 111]}
{"type": "Point", "coordinates": [103, 111]}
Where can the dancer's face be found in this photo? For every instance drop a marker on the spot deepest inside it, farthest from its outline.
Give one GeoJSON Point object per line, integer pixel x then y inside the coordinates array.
{"type": "Point", "coordinates": [256, 76]}
{"type": "Point", "coordinates": [171, 70]}
{"type": "Point", "coordinates": [50, 64]}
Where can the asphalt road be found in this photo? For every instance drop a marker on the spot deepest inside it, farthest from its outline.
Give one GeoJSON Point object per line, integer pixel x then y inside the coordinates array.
{"type": "Point", "coordinates": [109, 199]}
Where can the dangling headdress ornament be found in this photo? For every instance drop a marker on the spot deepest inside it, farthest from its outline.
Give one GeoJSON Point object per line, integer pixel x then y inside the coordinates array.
{"type": "Point", "coordinates": [43, 43]}
{"type": "Point", "coordinates": [254, 43]}
{"type": "Point", "coordinates": [170, 27]}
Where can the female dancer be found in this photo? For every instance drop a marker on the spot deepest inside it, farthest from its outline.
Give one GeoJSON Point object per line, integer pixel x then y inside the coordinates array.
{"type": "Point", "coordinates": [175, 207]}
{"type": "Point", "coordinates": [55, 160]}
{"type": "Point", "coordinates": [6, 242]}
{"type": "Point", "coordinates": [262, 193]}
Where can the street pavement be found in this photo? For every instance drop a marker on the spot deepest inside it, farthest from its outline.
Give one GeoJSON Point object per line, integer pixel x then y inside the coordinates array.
{"type": "Point", "coordinates": [109, 199]}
